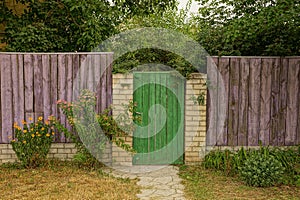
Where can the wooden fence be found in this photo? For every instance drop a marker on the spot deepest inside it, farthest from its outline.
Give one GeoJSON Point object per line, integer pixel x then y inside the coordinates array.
{"type": "Point", "coordinates": [31, 84]}
{"type": "Point", "coordinates": [260, 101]}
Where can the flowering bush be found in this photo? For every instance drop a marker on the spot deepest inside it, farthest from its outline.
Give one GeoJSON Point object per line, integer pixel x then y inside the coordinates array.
{"type": "Point", "coordinates": [33, 141]}
{"type": "Point", "coordinates": [81, 115]}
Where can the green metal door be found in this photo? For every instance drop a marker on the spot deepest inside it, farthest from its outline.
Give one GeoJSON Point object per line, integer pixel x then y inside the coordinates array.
{"type": "Point", "coordinates": [159, 136]}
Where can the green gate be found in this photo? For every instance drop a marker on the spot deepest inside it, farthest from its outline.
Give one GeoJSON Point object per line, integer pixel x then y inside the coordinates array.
{"type": "Point", "coordinates": [159, 138]}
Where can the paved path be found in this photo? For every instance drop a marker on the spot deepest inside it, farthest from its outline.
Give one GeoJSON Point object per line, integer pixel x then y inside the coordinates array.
{"type": "Point", "coordinates": [157, 182]}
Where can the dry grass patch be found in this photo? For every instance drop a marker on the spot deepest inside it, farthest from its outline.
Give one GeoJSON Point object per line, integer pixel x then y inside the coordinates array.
{"type": "Point", "coordinates": [63, 180]}
{"type": "Point", "coordinates": [206, 184]}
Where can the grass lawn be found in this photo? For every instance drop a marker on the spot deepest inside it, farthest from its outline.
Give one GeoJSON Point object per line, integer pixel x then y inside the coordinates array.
{"type": "Point", "coordinates": [206, 184]}
{"type": "Point", "coordinates": [63, 180]}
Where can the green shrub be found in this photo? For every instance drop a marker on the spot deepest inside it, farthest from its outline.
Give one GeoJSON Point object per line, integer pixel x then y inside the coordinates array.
{"type": "Point", "coordinates": [229, 162]}
{"type": "Point", "coordinates": [33, 141]}
{"type": "Point", "coordinates": [226, 161]}
{"type": "Point", "coordinates": [261, 170]}
{"type": "Point", "coordinates": [82, 117]}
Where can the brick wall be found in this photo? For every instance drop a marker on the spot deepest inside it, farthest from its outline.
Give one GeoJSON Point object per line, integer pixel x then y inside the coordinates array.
{"type": "Point", "coordinates": [122, 94]}
{"type": "Point", "coordinates": [58, 150]}
{"type": "Point", "coordinates": [195, 119]}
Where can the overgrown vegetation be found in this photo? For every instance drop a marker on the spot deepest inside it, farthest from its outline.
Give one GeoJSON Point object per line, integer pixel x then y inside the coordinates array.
{"type": "Point", "coordinates": [96, 130]}
{"type": "Point", "coordinates": [254, 162]}
{"type": "Point", "coordinates": [249, 28]}
{"type": "Point", "coordinates": [67, 25]}
{"type": "Point", "coordinates": [172, 20]}
{"type": "Point", "coordinates": [261, 170]}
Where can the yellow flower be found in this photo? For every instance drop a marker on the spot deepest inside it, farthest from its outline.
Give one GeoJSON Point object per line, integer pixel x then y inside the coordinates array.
{"type": "Point", "coordinates": [19, 128]}
{"type": "Point", "coordinates": [31, 129]}
{"type": "Point", "coordinates": [48, 135]}
{"type": "Point", "coordinates": [50, 118]}
{"type": "Point", "coordinates": [24, 141]}
{"type": "Point", "coordinates": [24, 122]}
{"type": "Point", "coordinates": [13, 140]}
{"type": "Point", "coordinates": [43, 128]}
{"type": "Point", "coordinates": [46, 122]}
{"type": "Point", "coordinates": [39, 135]}
{"type": "Point", "coordinates": [32, 135]}
{"type": "Point", "coordinates": [30, 118]}
{"type": "Point", "coordinates": [25, 131]}
{"type": "Point", "coordinates": [36, 133]}
{"type": "Point", "coordinates": [40, 118]}
{"type": "Point", "coordinates": [53, 133]}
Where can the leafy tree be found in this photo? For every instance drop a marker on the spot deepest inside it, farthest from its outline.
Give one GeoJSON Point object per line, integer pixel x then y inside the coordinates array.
{"type": "Point", "coordinates": [249, 27]}
{"type": "Point", "coordinates": [170, 19]}
{"type": "Point", "coordinates": [68, 25]}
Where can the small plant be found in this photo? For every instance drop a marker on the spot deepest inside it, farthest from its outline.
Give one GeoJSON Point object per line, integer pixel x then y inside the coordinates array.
{"type": "Point", "coordinates": [261, 170]}
{"type": "Point", "coordinates": [33, 141]}
{"type": "Point", "coordinates": [200, 99]}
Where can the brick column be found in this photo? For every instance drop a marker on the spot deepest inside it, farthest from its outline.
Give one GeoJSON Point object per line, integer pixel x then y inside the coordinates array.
{"type": "Point", "coordinates": [195, 119]}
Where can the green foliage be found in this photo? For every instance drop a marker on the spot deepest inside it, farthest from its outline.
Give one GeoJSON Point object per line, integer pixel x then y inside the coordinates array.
{"type": "Point", "coordinates": [200, 99]}
{"type": "Point", "coordinates": [230, 162]}
{"type": "Point", "coordinates": [261, 170]}
{"type": "Point", "coordinates": [67, 25]}
{"type": "Point", "coordinates": [85, 160]}
{"type": "Point", "coordinates": [170, 19]}
{"type": "Point", "coordinates": [250, 28]}
{"type": "Point", "coordinates": [32, 141]}
{"type": "Point", "coordinates": [226, 161]}
{"type": "Point", "coordinates": [81, 116]}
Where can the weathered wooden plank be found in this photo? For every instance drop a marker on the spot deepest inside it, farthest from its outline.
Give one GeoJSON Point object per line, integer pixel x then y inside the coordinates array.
{"type": "Point", "coordinates": [212, 79]}
{"type": "Point", "coordinates": [76, 75]}
{"type": "Point", "coordinates": [275, 100]}
{"type": "Point", "coordinates": [53, 85]}
{"type": "Point", "coordinates": [21, 86]}
{"type": "Point", "coordinates": [292, 114]}
{"type": "Point", "coordinates": [38, 83]}
{"type": "Point", "coordinates": [91, 73]}
{"type": "Point", "coordinates": [97, 80]}
{"type": "Point", "coordinates": [69, 84]}
{"type": "Point", "coordinates": [282, 101]}
{"type": "Point", "coordinates": [244, 101]}
{"type": "Point", "coordinates": [223, 88]}
{"type": "Point", "coordinates": [138, 97]}
{"type": "Point", "coordinates": [62, 88]}
{"type": "Point", "coordinates": [297, 62]}
{"type": "Point", "coordinates": [28, 76]}
{"type": "Point", "coordinates": [46, 85]}
{"type": "Point", "coordinates": [109, 89]}
{"type": "Point", "coordinates": [1, 66]}
{"type": "Point", "coordinates": [164, 124]}
{"type": "Point", "coordinates": [83, 69]}
{"type": "Point", "coordinates": [18, 111]}
{"type": "Point", "coordinates": [254, 102]}
{"type": "Point", "coordinates": [103, 82]}
{"type": "Point", "coordinates": [152, 122]}
{"type": "Point", "coordinates": [233, 109]}
{"type": "Point", "coordinates": [6, 98]}
{"type": "Point", "coordinates": [265, 101]}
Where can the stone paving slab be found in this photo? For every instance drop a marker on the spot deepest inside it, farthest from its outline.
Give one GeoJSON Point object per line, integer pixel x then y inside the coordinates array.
{"type": "Point", "coordinates": [157, 182]}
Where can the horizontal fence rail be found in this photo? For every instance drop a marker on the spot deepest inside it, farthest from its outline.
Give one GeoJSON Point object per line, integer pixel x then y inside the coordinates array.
{"type": "Point", "coordinates": [31, 84]}
{"type": "Point", "coordinates": [253, 100]}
